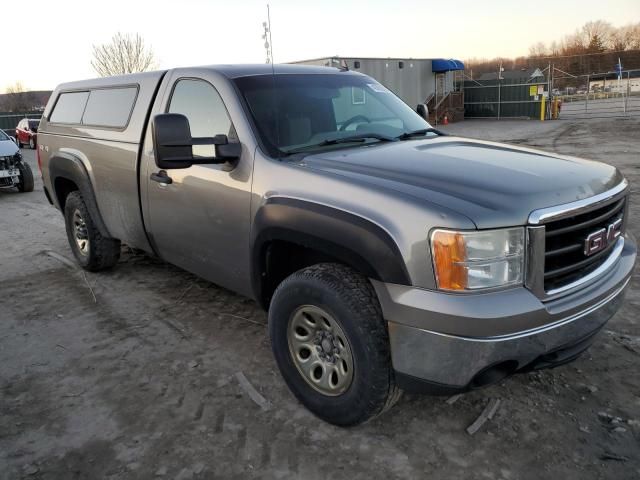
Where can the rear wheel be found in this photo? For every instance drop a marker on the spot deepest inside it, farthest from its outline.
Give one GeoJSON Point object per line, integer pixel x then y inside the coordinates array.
{"type": "Point", "coordinates": [26, 177]}
{"type": "Point", "coordinates": [331, 344]}
{"type": "Point", "coordinates": [32, 143]}
{"type": "Point", "coordinates": [18, 141]}
{"type": "Point", "coordinates": [92, 250]}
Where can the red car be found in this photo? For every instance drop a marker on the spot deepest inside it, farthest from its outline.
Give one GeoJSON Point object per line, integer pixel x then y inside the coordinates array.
{"type": "Point", "coordinates": [27, 132]}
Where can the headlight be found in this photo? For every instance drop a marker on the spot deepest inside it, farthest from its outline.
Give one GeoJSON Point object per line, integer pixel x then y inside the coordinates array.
{"type": "Point", "coordinates": [476, 260]}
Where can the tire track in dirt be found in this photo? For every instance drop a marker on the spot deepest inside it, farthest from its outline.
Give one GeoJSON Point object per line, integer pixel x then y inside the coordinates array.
{"type": "Point", "coordinates": [566, 131]}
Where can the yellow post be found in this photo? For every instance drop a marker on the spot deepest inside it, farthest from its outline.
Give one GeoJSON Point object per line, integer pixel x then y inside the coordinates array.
{"type": "Point", "coordinates": [542, 109]}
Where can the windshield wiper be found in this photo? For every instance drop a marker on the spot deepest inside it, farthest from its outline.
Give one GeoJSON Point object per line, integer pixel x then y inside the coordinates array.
{"type": "Point", "coordinates": [360, 138]}
{"type": "Point", "coordinates": [420, 133]}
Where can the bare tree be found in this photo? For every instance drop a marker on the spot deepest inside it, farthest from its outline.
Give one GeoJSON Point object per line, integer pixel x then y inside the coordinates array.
{"type": "Point", "coordinates": [17, 98]}
{"type": "Point", "coordinates": [633, 36]}
{"type": "Point", "coordinates": [619, 39]}
{"type": "Point", "coordinates": [594, 47]}
{"type": "Point", "coordinates": [538, 50]}
{"type": "Point", "coordinates": [124, 54]}
{"type": "Point", "coordinates": [17, 87]}
{"type": "Point", "coordinates": [597, 35]}
{"type": "Point", "coordinates": [574, 44]}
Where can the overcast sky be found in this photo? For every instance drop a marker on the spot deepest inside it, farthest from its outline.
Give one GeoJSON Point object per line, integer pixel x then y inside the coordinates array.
{"type": "Point", "coordinates": [51, 42]}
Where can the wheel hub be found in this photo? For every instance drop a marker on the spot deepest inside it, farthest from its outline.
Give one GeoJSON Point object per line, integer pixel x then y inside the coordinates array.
{"type": "Point", "coordinates": [327, 346]}
{"type": "Point", "coordinates": [320, 350]}
{"type": "Point", "coordinates": [80, 232]}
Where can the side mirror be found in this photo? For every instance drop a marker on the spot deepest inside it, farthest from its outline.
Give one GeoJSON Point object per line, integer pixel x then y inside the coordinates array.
{"type": "Point", "coordinates": [15, 139]}
{"type": "Point", "coordinates": [423, 111]}
{"type": "Point", "coordinates": [173, 143]}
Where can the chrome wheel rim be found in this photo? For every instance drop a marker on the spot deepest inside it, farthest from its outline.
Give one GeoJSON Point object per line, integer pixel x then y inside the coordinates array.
{"type": "Point", "coordinates": [32, 144]}
{"type": "Point", "coordinates": [320, 350]}
{"type": "Point", "coordinates": [80, 233]}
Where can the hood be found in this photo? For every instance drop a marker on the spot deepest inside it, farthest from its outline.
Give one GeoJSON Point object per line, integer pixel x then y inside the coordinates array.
{"type": "Point", "coordinates": [493, 184]}
{"type": "Point", "coordinates": [8, 148]}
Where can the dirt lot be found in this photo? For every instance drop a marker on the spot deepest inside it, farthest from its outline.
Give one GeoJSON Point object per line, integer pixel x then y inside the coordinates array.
{"type": "Point", "coordinates": [132, 373]}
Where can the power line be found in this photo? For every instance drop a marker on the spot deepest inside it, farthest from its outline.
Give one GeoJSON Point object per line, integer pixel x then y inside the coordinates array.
{"type": "Point", "coordinates": [589, 54]}
{"type": "Point", "coordinates": [481, 61]}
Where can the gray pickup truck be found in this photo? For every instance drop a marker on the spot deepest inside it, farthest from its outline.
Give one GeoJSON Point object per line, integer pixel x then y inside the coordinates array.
{"type": "Point", "coordinates": [389, 256]}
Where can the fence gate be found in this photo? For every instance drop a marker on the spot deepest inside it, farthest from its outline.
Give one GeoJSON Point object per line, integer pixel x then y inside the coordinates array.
{"type": "Point", "coordinates": [599, 95]}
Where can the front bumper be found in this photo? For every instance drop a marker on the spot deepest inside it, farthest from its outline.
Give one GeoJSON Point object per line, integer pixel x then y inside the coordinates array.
{"type": "Point", "coordinates": [444, 342]}
{"type": "Point", "coordinates": [9, 177]}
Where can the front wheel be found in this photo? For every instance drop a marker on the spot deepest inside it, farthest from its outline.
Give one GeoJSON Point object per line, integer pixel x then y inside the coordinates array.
{"type": "Point", "coordinates": [92, 250]}
{"type": "Point", "coordinates": [331, 344]}
{"type": "Point", "coordinates": [26, 177]}
{"type": "Point", "coordinates": [32, 143]}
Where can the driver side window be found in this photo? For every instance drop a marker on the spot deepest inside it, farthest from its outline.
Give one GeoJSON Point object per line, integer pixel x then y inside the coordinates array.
{"type": "Point", "coordinates": [200, 102]}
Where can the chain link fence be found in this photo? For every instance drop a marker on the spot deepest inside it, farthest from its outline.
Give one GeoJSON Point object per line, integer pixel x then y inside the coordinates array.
{"type": "Point", "coordinates": [597, 95]}
{"type": "Point", "coordinates": [555, 94]}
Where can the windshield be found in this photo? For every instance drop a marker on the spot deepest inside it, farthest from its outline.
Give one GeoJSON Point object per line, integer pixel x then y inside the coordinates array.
{"type": "Point", "coordinates": [308, 112]}
{"type": "Point", "coordinates": [3, 136]}
{"type": "Point", "coordinates": [33, 125]}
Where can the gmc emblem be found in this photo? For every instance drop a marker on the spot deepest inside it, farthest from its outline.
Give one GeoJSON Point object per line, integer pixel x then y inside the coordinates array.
{"type": "Point", "coordinates": [601, 239]}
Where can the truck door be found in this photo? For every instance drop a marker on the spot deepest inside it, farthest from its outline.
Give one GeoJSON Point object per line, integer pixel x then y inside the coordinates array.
{"type": "Point", "coordinates": [200, 221]}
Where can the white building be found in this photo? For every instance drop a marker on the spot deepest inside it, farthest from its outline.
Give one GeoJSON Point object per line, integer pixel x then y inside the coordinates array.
{"type": "Point", "coordinates": [414, 80]}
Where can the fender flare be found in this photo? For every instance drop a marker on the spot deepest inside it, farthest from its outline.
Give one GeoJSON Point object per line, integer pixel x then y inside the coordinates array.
{"type": "Point", "coordinates": [347, 237]}
{"type": "Point", "coordinates": [66, 166]}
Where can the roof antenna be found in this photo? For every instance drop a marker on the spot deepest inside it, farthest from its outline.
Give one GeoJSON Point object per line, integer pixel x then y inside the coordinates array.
{"type": "Point", "coordinates": [268, 45]}
{"type": "Point", "coordinates": [268, 42]}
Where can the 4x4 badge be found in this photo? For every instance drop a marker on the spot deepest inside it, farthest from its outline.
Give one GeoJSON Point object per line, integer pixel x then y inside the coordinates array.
{"type": "Point", "coordinates": [600, 239]}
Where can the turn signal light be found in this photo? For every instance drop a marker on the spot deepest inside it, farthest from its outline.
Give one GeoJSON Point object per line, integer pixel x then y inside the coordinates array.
{"type": "Point", "coordinates": [449, 254]}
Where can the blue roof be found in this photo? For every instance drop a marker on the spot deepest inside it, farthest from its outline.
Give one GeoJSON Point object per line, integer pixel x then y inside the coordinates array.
{"type": "Point", "coordinates": [440, 65]}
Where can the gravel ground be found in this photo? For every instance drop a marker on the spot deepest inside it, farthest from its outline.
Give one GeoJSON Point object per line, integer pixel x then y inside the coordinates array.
{"type": "Point", "coordinates": [133, 373]}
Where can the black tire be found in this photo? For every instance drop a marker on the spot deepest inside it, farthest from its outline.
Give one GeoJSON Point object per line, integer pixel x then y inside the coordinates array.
{"type": "Point", "coordinates": [26, 177]}
{"type": "Point", "coordinates": [32, 143]}
{"type": "Point", "coordinates": [101, 252]}
{"type": "Point", "coordinates": [349, 298]}
{"type": "Point", "coordinates": [18, 141]}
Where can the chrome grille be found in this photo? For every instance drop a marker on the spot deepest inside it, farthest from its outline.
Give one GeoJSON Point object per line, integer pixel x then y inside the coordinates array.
{"type": "Point", "coordinates": [565, 257]}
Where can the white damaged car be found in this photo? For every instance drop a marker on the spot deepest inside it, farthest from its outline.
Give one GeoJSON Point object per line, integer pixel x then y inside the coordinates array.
{"type": "Point", "coordinates": [14, 171]}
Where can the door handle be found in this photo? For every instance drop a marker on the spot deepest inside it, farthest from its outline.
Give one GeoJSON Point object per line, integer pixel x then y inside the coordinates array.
{"type": "Point", "coordinates": [161, 177]}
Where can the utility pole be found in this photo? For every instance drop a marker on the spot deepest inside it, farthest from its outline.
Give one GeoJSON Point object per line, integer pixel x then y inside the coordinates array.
{"type": "Point", "coordinates": [500, 70]}
{"type": "Point", "coordinates": [551, 99]}
{"type": "Point", "coordinates": [622, 92]}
